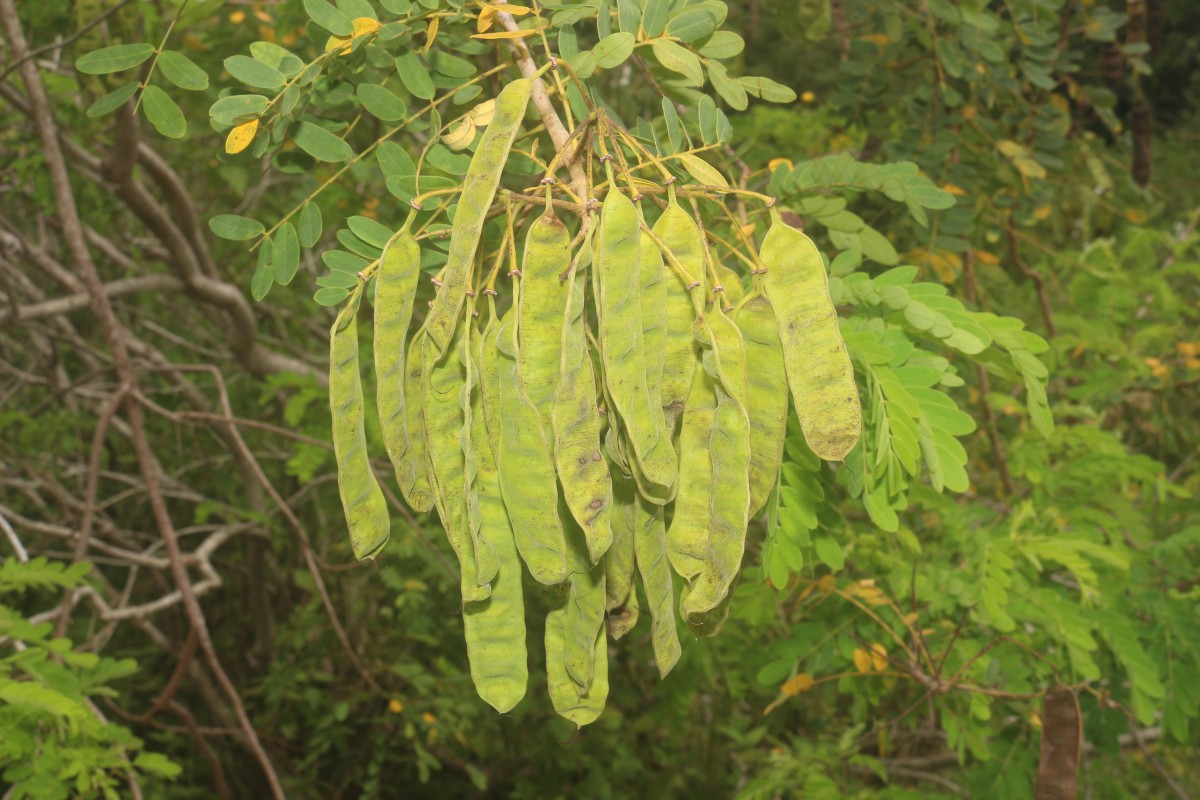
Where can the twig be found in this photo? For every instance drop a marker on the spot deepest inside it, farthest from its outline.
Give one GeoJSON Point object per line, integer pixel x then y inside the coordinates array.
{"type": "Point", "coordinates": [76, 241]}
{"type": "Point", "coordinates": [1014, 255]}
{"type": "Point", "coordinates": [18, 548]}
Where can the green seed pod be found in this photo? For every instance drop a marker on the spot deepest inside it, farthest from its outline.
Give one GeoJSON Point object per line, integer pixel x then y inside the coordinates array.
{"type": "Point", "coordinates": [582, 470]}
{"type": "Point", "coordinates": [768, 403]}
{"type": "Point", "coordinates": [362, 499]}
{"type": "Point", "coordinates": [650, 548]}
{"type": "Point", "coordinates": [526, 471]}
{"type": "Point", "coordinates": [819, 371]}
{"type": "Point", "coordinates": [495, 627]}
{"type": "Point", "coordinates": [395, 286]}
{"type": "Point", "coordinates": [444, 423]}
{"type": "Point", "coordinates": [479, 189]}
{"type": "Point", "coordinates": [618, 263]}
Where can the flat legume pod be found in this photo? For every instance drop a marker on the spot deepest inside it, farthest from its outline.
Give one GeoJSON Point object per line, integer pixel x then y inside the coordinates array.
{"type": "Point", "coordinates": [443, 415]}
{"type": "Point", "coordinates": [650, 547]}
{"type": "Point", "coordinates": [486, 563]}
{"type": "Point", "coordinates": [687, 538]}
{"type": "Point", "coordinates": [724, 360]}
{"type": "Point", "coordinates": [420, 494]}
{"type": "Point", "coordinates": [654, 316]}
{"type": "Point", "coordinates": [679, 233]}
{"type": "Point", "coordinates": [619, 560]}
{"type": "Point", "coordinates": [362, 499]}
{"type": "Point", "coordinates": [618, 264]}
{"type": "Point", "coordinates": [711, 622]}
{"type": "Point", "coordinates": [582, 470]}
{"type": "Point", "coordinates": [581, 707]}
{"type": "Point", "coordinates": [479, 189]}
{"type": "Point", "coordinates": [585, 608]}
{"type": "Point", "coordinates": [487, 358]}
{"type": "Point", "coordinates": [526, 471]}
{"type": "Point", "coordinates": [621, 621]}
{"type": "Point", "coordinates": [543, 300]}
{"type": "Point", "coordinates": [768, 402]}
{"type": "Point", "coordinates": [495, 627]}
{"type": "Point", "coordinates": [819, 371]}
{"type": "Point", "coordinates": [395, 286]}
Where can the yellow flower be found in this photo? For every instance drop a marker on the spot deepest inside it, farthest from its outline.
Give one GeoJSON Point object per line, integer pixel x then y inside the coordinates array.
{"type": "Point", "coordinates": [807, 97]}
{"type": "Point", "coordinates": [395, 706]}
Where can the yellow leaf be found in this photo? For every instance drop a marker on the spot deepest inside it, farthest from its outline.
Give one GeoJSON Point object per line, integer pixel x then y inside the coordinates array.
{"type": "Point", "coordinates": [950, 188]}
{"type": "Point", "coordinates": [461, 136]}
{"type": "Point", "coordinates": [516, 11]}
{"type": "Point", "coordinates": [337, 43]}
{"type": "Point", "coordinates": [1042, 212]}
{"type": "Point", "coordinates": [775, 162]}
{"type": "Point", "coordinates": [807, 97]}
{"type": "Point", "coordinates": [240, 137]}
{"type": "Point", "coordinates": [749, 228]}
{"type": "Point", "coordinates": [487, 15]}
{"type": "Point", "coordinates": [1029, 168]}
{"type": "Point", "coordinates": [968, 113]}
{"type": "Point", "coordinates": [519, 34]}
{"type": "Point", "coordinates": [1136, 216]}
{"type": "Point", "coordinates": [430, 718]}
{"type": "Point", "coordinates": [1010, 148]}
{"type": "Point", "coordinates": [984, 257]}
{"type": "Point", "coordinates": [395, 706]}
{"type": "Point", "coordinates": [880, 39]}
{"type": "Point", "coordinates": [879, 657]}
{"type": "Point", "coordinates": [702, 171]}
{"type": "Point", "coordinates": [482, 114]}
{"type": "Point", "coordinates": [431, 32]}
{"type": "Point", "coordinates": [1035, 719]}
{"type": "Point", "coordinates": [910, 618]}
{"type": "Point", "coordinates": [237, 17]}
{"type": "Point", "coordinates": [365, 25]}
{"type": "Point", "coordinates": [262, 16]}
{"type": "Point", "coordinates": [826, 584]}
{"type": "Point", "coordinates": [797, 685]}
{"type": "Point", "coordinates": [862, 660]}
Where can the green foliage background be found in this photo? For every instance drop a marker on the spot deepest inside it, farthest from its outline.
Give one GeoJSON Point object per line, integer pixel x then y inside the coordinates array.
{"type": "Point", "coordinates": [1069, 559]}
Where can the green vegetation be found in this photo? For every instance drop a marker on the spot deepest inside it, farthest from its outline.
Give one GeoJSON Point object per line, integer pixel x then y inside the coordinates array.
{"type": "Point", "coordinates": [212, 214]}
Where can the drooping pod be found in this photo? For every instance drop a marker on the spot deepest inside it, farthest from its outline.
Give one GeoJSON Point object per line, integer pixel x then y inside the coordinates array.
{"type": "Point", "coordinates": [479, 189]}
{"type": "Point", "coordinates": [362, 499]}
{"type": "Point", "coordinates": [729, 447]}
{"type": "Point", "coordinates": [819, 371]}
{"type": "Point", "coordinates": [679, 234]}
{"type": "Point", "coordinates": [444, 423]}
{"type": "Point", "coordinates": [619, 561]}
{"type": "Point", "coordinates": [542, 302]}
{"type": "Point", "coordinates": [650, 549]}
{"type": "Point", "coordinates": [395, 287]}
{"type": "Point", "coordinates": [495, 627]}
{"type": "Point", "coordinates": [582, 470]}
{"type": "Point", "coordinates": [578, 705]}
{"type": "Point", "coordinates": [653, 292]}
{"type": "Point", "coordinates": [622, 350]}
{"type": "Point", "coordinates": [687, 537]}
{"type": "Point", "coordinates": [420, 494]}
{"type": "Point", "coordinates": [768, 403]}
{"type": "Point", "coordinates": [486, 563]}
{"type": "Point", "coordinates": [526, 470]}
{"type": "Point", "coordinates": [585, 609]}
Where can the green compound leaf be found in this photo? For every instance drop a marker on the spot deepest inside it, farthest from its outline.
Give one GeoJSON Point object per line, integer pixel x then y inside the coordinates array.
{"type": "Point", "coordinates": [114, 59]}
